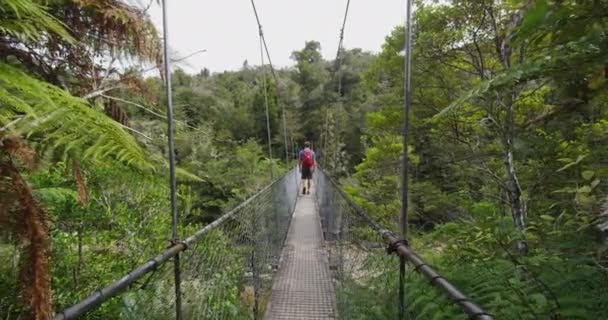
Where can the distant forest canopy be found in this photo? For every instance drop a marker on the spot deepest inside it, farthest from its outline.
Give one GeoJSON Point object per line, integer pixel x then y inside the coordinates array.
{"type": "Point", "coordinates": [509, 128]}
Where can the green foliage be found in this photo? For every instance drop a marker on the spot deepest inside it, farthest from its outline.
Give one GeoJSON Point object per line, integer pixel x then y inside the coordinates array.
{"type": "Point", "coordinates": [29, 21]}
{"type": "Point", "coordinates": [66, 125]}
{"type": "Point", "coordinates": [260, 100]}
{"type": "Point", "coordinates": [218, 289]}
{"type": "Point", "coordinates": [544, 106]}
{"type": "Point", "coordinates": [500, 110]}
{"type": "Point", "coordinates": [126, 219]}
{"type": "Point", "coordinates": [547, 283]}
{"type": "Point", "coordinates": [365, 296]}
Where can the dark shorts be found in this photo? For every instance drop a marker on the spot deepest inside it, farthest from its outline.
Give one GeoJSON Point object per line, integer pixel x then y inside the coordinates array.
{"type": "Point", "coordinates": [306, 173]}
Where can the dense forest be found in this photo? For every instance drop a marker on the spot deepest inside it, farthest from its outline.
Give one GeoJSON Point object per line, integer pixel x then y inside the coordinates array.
{"type": "Point", "coordinates": [508, 159]}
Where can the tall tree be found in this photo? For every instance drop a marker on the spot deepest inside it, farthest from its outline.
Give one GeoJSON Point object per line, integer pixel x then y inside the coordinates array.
{"type": "Point", "coordinates": [311, 75]}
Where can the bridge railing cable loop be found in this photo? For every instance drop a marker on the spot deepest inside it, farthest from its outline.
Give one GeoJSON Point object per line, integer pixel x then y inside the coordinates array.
{"type": "Point", "coordinates": [350, 234]}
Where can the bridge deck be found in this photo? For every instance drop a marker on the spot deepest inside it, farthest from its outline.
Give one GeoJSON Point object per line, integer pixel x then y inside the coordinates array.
{"type": "Point", "coordinates": [303, 287]}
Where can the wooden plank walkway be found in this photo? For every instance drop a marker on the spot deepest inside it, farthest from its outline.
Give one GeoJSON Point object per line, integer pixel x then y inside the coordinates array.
{"type": "Point", "coordinates": [303, 288]}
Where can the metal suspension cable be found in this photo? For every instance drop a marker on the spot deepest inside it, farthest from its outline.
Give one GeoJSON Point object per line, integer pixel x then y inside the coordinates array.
{"type": "Point", "coordinates": [340, 47]}
{"type": "Point", "coordinates": [268, 132]}
{"type": "Point", "coordinates": [338, 65]}
{"type": "Point", "coordinates": [275, 77]}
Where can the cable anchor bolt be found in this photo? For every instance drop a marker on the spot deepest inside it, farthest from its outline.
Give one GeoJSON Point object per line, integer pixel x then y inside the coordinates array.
{"type": "Point", "coordinates": [392, 247]}
{"type": "Point", "coordinates": [174, 242]}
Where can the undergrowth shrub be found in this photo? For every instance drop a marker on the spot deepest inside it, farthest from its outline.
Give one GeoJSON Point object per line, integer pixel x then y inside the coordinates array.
{"type": "Point", "coordinates": [558, 279]}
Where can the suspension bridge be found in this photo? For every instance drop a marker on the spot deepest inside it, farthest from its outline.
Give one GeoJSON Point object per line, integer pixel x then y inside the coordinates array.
{"type": "Point", "coordinates": [291, 253]}
{"type": "Point", "coordinates": [279, 254]}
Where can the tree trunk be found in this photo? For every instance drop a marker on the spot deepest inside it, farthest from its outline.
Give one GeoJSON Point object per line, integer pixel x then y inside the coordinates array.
{"type": "Point", "coordinates": [33, 232]}
{"type": "Point", "coordinates": [80, 259]}
{"type": "Point", "coordinates": [514, 194]}
{"type": "Point", "coordinates": [30, 223]}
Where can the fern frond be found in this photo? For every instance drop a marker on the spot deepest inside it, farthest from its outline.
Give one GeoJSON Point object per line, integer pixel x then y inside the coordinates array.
{"type": "Point", "coordinates": [28, 20]}
{"type": "Point", "coordinates": [65, 123]}
{"type": "Point", "coordinates": [119, 27]}
{"type": "Point", "coordinates": [185, 175]}
{"type": "Point", "coordinates": [56, 195]}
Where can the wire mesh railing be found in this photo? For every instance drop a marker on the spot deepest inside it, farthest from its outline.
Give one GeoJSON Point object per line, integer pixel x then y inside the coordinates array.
{"type": "Point", "coordinates": [366, 276]}
{"type": "Point", "coordinates": [226, 268]}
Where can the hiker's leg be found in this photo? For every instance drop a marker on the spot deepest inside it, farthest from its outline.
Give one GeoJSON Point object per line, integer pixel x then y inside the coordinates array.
{"type": "Point", "coordinates": [304, 177]}
{"type": "Point", "coordinates": [312, 171]}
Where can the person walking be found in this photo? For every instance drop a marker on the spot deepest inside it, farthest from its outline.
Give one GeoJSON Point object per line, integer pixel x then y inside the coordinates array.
{"type": "Point", "coordinates": [307, 166]}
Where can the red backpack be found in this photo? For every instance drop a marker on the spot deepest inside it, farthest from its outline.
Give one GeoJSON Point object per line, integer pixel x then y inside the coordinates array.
{"type": "Point", "coordinates": [307, 159]}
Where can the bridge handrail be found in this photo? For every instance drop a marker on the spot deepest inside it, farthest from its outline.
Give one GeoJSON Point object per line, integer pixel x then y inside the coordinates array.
{"type": "Point", "coordinates": [402, 249]}
{"type": "Point", "coordinates": [115, 288]}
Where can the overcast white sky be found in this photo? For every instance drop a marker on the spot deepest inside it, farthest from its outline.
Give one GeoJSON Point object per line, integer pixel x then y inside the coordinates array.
{"type": "Point", "coordinates": [227, 28]}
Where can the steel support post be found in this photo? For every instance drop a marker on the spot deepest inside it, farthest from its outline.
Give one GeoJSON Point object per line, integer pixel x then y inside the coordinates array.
{"type": "Point", "coordinates": [172, 178]}
{"type": "Point", "coordinates": [405, 164]}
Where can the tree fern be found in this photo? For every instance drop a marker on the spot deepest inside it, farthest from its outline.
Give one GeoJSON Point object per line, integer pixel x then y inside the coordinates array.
{"type": "Point", "coordinates": [118, 28]}
{"type": "Point", "coordinates": [52, 116]}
